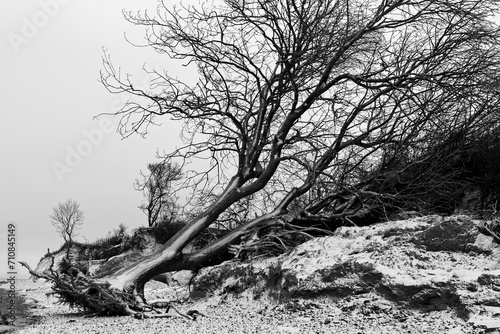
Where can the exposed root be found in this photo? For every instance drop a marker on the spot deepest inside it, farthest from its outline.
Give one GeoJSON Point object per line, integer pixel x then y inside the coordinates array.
{"type": "Point", "coordinates": [163, 303]}
{"type": "Point", "coordinates": [488, 227]}
{"type": "Point", "coordinates": [102, 299]}
{"type": "Point", "coordinates": [275, 240]}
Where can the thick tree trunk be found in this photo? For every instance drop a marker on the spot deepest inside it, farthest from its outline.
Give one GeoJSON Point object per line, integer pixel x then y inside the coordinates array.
{"type": "Point", "coordinates": [170, 257]}
{"type": "Point", "coordinates": [123, 291]}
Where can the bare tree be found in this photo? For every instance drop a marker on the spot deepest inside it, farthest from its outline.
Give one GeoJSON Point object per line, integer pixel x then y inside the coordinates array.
{"type": "Point", "coordinates": [67, 218]}
{"type": "Point", "coordinates": [157, 188]}
{"type": "Point", "coordinates": [294, 104]}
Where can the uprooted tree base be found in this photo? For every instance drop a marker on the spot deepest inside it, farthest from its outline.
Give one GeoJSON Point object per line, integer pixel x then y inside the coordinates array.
{"type": "Point", "coordinates": [99, 298]}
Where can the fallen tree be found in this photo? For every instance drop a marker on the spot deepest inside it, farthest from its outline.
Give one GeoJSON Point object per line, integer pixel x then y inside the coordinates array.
{"type": "Point", "coordinates": [295, 106]}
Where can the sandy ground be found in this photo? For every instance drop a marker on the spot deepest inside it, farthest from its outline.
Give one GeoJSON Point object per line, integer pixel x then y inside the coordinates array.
{"type": "Point", "coordinates": [39, 313]}
{"type": "Point", "coordinates": [15, 313]}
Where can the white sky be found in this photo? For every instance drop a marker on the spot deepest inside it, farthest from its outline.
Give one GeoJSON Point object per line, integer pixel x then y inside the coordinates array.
{"type": "Point", "coordinates": [49, 95]}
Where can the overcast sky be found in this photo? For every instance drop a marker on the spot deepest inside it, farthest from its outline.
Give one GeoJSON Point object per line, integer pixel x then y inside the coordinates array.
{"type": "Point", "coordinates": [51, 149]}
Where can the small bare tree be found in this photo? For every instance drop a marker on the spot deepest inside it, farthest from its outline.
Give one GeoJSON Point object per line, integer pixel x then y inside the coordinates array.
{"type": "Point", "coordinates": [159, 204]}
{"type": "Point", "coordinates": [67, 218]}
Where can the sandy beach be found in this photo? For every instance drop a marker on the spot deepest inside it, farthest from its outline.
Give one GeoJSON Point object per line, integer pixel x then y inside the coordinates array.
{"type": "Point", "coordinates": [17, 305]}
{"type": "Point", "coordinates": [36, 313]}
